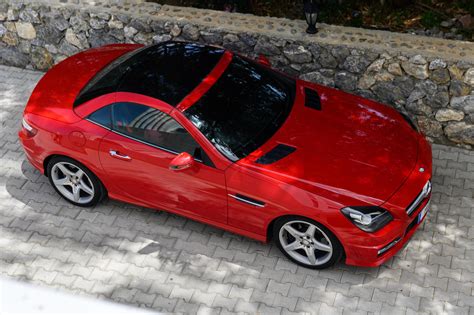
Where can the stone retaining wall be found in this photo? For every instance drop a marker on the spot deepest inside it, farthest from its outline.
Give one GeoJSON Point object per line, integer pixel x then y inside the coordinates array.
{"type": "Point", "coordinates": [432, 79]}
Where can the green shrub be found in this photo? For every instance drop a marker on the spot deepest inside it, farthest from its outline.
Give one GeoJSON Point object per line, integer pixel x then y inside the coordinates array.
{"type": "Point", "coordinates": [431, 19]}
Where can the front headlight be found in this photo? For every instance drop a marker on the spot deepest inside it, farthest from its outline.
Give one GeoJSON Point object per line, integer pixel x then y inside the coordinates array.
{"type": "Point", "coordinates": [368, 219]}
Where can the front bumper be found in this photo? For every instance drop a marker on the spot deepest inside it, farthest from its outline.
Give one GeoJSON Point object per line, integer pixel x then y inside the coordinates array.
{"type": "Point", "coordinates": [401, 233]}
{"type": "Point", "coordinates": [373, 249]}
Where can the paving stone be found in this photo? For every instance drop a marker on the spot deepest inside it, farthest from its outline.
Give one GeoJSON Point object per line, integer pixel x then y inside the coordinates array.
{"type": "Point", "coordinates": [241, 293]}
{"type": "Point", "coordinates": [308, 307]}
{"type": "Point", "coordinates": [164, 304]}
{"type": "Point", "coordinates": [264, 309]}
{"type": "Point", "coordinates": [285, 302]}
{"type": "Point", "coordinates": [460, 286]}
{"type": "Point", "coordinates": [447, 296]}
{"type": "Point", "coordinates": [182, 293]}
{"type": "Point", "coordinates": [449, 273]}
{"type": "Point", "coordinates": [385, 297]}
{"type": "Point", "coordinates": [204, 298]}
{"type": "Point", "coordinates": [346, 302]}
{"type": "Point", "coordinates": [266, 261]}
{"type": "Point", "coordinates": [334, 286]}
{"type": "Point", "coordinates": [206, 310]}
{"type": "Point", "coordinates": [406, 301]}
{"type": "Point", "coordinates": [224, 302]}
{"type": "Point", "coordinates": [284, 264]}
{"type": "Point", "coordinates": [161, 288]}
{"type": "Point", "coordinates": [427, 291]}
{"type": "Point", "coordinates": [83, 284]}
{"type": "Point", "coordinates": [315, 282]}
{"type": "Point", "coordinates": [186, 308]}
{"type": "Point", "coordinates": [454, 309]}
{"type": "Point", "coordinates": [327, 309]}
{"type": "Point", "coordinates": [300, 292]}
{"type": "Point", "coordinates": [326, 297]}
{"type": "Point", "coordinates": [369, 306]}
{"type": "Point", "coordinates": [221, 288]}
{"type": "Point", "coordinates": [276, 287]}
{"type": "Point", "coordinates": [143, 299]}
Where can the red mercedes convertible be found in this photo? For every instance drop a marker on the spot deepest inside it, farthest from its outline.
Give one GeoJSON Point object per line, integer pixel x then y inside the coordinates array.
{"type": "Point", "coordinates": [214, 136]}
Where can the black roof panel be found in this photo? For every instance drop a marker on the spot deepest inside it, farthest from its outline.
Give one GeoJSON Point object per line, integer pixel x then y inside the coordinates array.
{"type": "Point", "coordinates": [167, 71]}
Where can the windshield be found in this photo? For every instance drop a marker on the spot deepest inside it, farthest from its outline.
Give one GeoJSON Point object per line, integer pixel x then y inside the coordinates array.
{"type": "Point", "coordinates": [244, 108]}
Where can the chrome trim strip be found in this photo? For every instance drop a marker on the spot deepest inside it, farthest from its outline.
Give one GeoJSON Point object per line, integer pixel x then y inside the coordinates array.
{"type": "Point", "coordinates": [425, 208]}
{"type": "Point", "coordinates": [138, 140]}
{"type": "Point", "coordinates": [97, 124]}
{"type": "Point", "coordinates": [247, 201]}
{"type": "Point", "coordinates": [423, 194]}
{"type": "Point", "coordinates": [387, 248]}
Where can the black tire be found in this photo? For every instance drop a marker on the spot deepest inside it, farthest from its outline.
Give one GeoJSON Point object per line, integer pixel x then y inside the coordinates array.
{"type": "Point", "coordinates": [99, 191]}
{"type": "Point", "coordinates": [337, 250]}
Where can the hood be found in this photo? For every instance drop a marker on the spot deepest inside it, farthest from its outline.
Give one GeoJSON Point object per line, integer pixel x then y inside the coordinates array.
{"type": "Point", "coordinates": [348, 146]}
{"type": "Point", "coordinates": [54, 95]}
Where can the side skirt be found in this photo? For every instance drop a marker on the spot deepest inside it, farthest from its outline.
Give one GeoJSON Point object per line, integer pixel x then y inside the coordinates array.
{"type": "Point", "coordinates": [232, 229]}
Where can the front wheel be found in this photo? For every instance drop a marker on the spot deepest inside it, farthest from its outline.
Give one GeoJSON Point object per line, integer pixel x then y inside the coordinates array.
{"type": "Point", "coordinates": [307, 242]}
{"type": "Point", "coordinates": [75, 182]}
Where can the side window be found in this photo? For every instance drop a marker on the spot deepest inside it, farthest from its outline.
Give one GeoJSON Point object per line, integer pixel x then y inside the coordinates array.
{"type": "Point", "coordinates": [152, 126]}
{"type": "Point", "coordinates": [102, 116]}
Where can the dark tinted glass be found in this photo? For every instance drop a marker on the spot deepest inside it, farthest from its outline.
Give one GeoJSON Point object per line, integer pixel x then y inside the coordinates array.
{"type": "Point", "coordinates": [152, 126]}
{"type": "Point", "coordinates": [245, 107]}
{"type": "Point", "coordinates": [167, 71]}
{"type": "Point", "coordinates": [107, 80]}
{"type": "Point", "coordinates": [171, 71]}
{"type": "Point", "coordinates": [102, 117]}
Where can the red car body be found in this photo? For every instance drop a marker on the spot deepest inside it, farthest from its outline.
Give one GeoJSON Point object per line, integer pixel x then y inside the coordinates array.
{"type": "Point", "coordinates": [353, 152]}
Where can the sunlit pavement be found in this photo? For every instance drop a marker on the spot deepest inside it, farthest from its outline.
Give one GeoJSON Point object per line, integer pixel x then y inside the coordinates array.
{"type": "Point", "coordinates": [163, 262]}
{"type": "Point", "coordinates": [26, 298]}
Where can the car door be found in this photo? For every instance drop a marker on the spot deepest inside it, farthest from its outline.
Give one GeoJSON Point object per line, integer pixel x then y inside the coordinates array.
{"type": "Point", "coordinates": [136, 155]}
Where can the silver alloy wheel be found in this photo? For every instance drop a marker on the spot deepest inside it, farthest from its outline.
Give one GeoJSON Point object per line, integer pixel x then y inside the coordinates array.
{"type": "Point", "coordinates": [305, 242]}
{"type": "Point", "coordinates": [72, 182]}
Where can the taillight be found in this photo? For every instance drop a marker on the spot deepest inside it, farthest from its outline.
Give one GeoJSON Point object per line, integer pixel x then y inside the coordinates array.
{"type": "Point", "coordinates": [29, 130]}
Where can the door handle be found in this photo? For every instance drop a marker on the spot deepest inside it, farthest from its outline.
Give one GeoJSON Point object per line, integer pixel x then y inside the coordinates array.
{"type": "Point", "coordinates": [119, 156]}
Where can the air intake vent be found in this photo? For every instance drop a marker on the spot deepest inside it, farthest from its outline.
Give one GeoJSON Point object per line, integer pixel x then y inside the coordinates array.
{"type": "Point", "coordinates": [276, 154]}
{"type": "Point", "coordinates": [312, 99]}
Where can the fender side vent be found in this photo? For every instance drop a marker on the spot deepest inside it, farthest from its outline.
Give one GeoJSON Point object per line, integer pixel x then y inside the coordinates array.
{"type": "Point", "coordinates": [312, 99]}
{"type": "Point", "coordinates": [276, 154]}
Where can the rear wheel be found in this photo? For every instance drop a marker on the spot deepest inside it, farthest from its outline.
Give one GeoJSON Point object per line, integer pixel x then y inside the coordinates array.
{"type": "Point", "coordinates": [75, 182]}
{"type": "Point", "coordinates": [307, 242]}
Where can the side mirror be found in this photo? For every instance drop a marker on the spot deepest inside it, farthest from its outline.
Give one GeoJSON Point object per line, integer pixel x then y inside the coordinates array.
{"type": "Point", "coordinates": [264, 61]}
{"type": "Point", "coordinates": [181, 162]}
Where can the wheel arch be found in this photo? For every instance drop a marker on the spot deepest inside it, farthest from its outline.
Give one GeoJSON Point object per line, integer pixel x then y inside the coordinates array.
{"type": "Point", "coordinates": [272, 224]}
{"type": "Point", "coordinates": [46, 162]}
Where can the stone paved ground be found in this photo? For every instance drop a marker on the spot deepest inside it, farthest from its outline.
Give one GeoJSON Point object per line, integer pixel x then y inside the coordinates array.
{"type": "Point", "coordinates": [164, 262]}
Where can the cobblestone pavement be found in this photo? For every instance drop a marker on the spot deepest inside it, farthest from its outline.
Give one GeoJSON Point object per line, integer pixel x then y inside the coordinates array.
{"type": "Point", "coordinates": [164, 262]}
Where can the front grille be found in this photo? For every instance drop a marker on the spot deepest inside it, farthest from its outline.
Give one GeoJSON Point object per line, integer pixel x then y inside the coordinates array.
{"type": "Point", "coordinates": [425, 192]}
